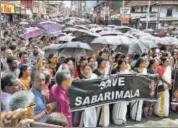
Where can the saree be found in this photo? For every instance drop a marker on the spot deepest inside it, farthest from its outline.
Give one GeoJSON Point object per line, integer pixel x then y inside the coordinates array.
{"type": "Point", "coordinates": [162, 105]}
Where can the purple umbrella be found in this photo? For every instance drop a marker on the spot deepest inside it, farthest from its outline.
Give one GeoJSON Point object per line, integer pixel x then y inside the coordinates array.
{"type": "Point", "coordinates": [49, 26]}
{"type": "Point", "coordinates": [32, 32]}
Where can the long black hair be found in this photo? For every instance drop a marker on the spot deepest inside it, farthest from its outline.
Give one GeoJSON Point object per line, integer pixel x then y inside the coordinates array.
{"type": "Point", "coordinates": [120, 61]}
{"type": "Point", "coordinates": [152, 61]}
{"type": "Point", "coordinates": [23, 68]}
{"type": "Point", "coordinates": [139, 61]}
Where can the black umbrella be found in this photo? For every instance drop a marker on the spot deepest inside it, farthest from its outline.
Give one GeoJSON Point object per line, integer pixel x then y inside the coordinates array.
{"type": "Point", "coordinates": [74, 49]}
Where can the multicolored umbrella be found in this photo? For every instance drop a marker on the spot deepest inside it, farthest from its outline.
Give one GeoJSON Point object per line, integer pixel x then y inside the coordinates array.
{"type": "Point", "coordinates": [49, 26]}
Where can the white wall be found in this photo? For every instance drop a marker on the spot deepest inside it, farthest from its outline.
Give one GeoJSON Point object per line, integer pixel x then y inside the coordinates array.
{"type": "Point", "coordinates": [163, 12]}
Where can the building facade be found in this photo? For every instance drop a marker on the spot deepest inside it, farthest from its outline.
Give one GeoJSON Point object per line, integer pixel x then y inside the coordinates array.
{"type": "Point", "coordinates": [156, 14]}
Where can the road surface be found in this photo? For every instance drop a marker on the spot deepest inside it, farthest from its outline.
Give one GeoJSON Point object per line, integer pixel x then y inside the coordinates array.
{"type": "Point", "coordinates": [154, 121]}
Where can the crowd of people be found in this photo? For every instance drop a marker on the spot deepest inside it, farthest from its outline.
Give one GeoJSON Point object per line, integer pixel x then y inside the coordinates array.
{"type": "Point", "coordinates": [34, 88]}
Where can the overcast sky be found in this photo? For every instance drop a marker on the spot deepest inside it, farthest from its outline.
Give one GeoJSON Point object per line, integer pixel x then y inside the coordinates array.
{"type": "Point", "coordinates": [67, 3]}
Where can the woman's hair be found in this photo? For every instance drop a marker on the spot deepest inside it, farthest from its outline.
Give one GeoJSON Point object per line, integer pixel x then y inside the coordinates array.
{"type": "Point", "coordinates": [123, 56]}
{"type": "Point", "coordinates": [82, 59]}
{"type": "Point", "coordinates": [163, 59]}
{"type": "Point", "coordinates": [21, 99]}
{"type": "Point", "coordinates": [139, 61]}
{"type": "Point", "coordinates": [100, 60]}
{"type": "Point", "coordinates": [152, 61]}
{"type": "Point", "coordinates": [67, 60]}
{"type": "Point", "coordinates": [117, 56]}
{"type": "Point", "coordinates": [136, 56]}
{"type": "Point", "coordinates": [120, 61]}
{"type": "Point", "coordinates": [23, 68]}
{"type": "Point", "coordinates": [50, 56]}
{"type": "Point", "coordinates": [57, 119]}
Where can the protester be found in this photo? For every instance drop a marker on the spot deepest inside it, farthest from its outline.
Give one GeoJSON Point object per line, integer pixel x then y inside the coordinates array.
{"type": "Point", "coordinates": [82, 62]}
{"type": "Point", "coordinates": [23, 55]}
{"type": "Point", "coordinates": [41, 109]}
{"type": "Point", "coordinates": [71, 67]}
{"type": "Point", "coordinates": [103, 116]}
{"type": "Point", "coordinates": [89, 115]}
{"type": "Point", "coordinates": [164, 85]}
{"type": "Point", "coordinates": [9, 85]}
{"type": "Point", "coordinates": [101, 67]}
{"type": "Point", "coordinates": [119, 111]}
{"type": "Point", "coordinates": [25, 76]}
{"type": "Point", "coordinates": [33, 58]}
{"type": "Point", "coordinates": [59, 94]}
{"type": "Point", "coordinates": [12, 65]}
{"type": "Point", "coordinates": [136, 109]}
{"type": "Point", "coordinates": [52, 64]}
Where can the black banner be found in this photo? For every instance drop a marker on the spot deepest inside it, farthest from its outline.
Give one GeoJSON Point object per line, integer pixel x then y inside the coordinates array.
{"type": "Point", "coordinates": [86, 93]}
{"type": "Point", "coordinates": [175, 89]}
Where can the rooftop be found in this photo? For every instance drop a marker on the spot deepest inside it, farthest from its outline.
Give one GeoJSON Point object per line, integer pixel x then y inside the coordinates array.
{"type": "Point", "coordinates": [144, 2]}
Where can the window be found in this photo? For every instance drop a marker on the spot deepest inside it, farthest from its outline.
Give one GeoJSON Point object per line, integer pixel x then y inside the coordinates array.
{"type": "Point", "coordinates": [169, 12]}
{"type": "Point", "coordinates": [144, 9]}
{"type": "Point", "coordinates": [133, 9]}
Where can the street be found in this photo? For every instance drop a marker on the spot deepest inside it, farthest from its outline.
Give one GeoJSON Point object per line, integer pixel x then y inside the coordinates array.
{"type": "Point", "coordinates": [154, 121]}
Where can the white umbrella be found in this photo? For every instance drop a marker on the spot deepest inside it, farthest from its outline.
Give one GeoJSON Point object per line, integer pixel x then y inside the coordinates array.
{"type": "Point", "coordinates": [66, 38]}
{"type": "Point", "coordinates": [113, 40]}
{"type": "Point", "coordinates": [23, 23]}
{"type": "Point", "coordinates": [104, 33]}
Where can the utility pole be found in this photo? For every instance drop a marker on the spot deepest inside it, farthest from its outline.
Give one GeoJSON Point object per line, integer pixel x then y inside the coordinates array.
{"type": "Point", "coordinates": [123, 8]}
{"type": "Point", "coordinates": [158, 16]}
{"type": "Point", "coordinates": [148, 15]}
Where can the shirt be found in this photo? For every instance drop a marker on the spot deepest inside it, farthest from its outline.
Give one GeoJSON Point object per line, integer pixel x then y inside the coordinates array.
{"type": "Point", "coordinates": [33, 59]}
{"type": "Point", "coordinates": [46, 92]}
{"type": "Point", "coordinates": [5, 100]}
{"type": "Point", "coordinates": [40, 103]}
{"type": "Point", "coordinates": [59, 95]}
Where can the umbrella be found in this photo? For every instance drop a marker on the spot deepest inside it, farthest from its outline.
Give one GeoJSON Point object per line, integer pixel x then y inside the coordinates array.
{"type": "Point", "coordinates": [81, 27]}
{"type": "Point", "coordinates": [107, 33]}
{"type": "Point", "coordinates": [80, 32]}
{"type": "Point", "coordinates": [112, 26]}
{"type": "Point", "coordinates": [148, 43]}
{"type": "Point", "coordinates": [96, 29]}
{"type": "Point", "coordinates": [23, 23]}
{"type": "Point", "coordinates": [49, 26]}
{"type": "Point", "coordinates": [69, 29]}
{"type": "Point", "coordinates": [113, 40]}
{"type": "Point", "coordinates": [137, 47]}
{"type": "Point", "coordinates": [74, 49]}
{"type": "Point", "coordinates": [52, 47]}
{"type": "Point", "coordinates": [32, 32]}
{"type": "Point", "coordinates": [66, 38]}
{"type": "Point", "coordinates": [166, 40]}
{"type": "Point", "coordinates": [84, 38]}
{"type": "Point", "coordinates": [51, 34]}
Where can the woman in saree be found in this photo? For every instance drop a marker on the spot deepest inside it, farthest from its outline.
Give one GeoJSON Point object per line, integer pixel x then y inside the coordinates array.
{"type": "Point", "coordinates": [137, 106]}
{"type": "Point", "coordinates": [164, 85]}
{"type": "Point", "coordinates": [103, 113]}
{"type": "Point", "coordinates": [89, 115]}
{"type": "Point", "coordinates": [119, 111]}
